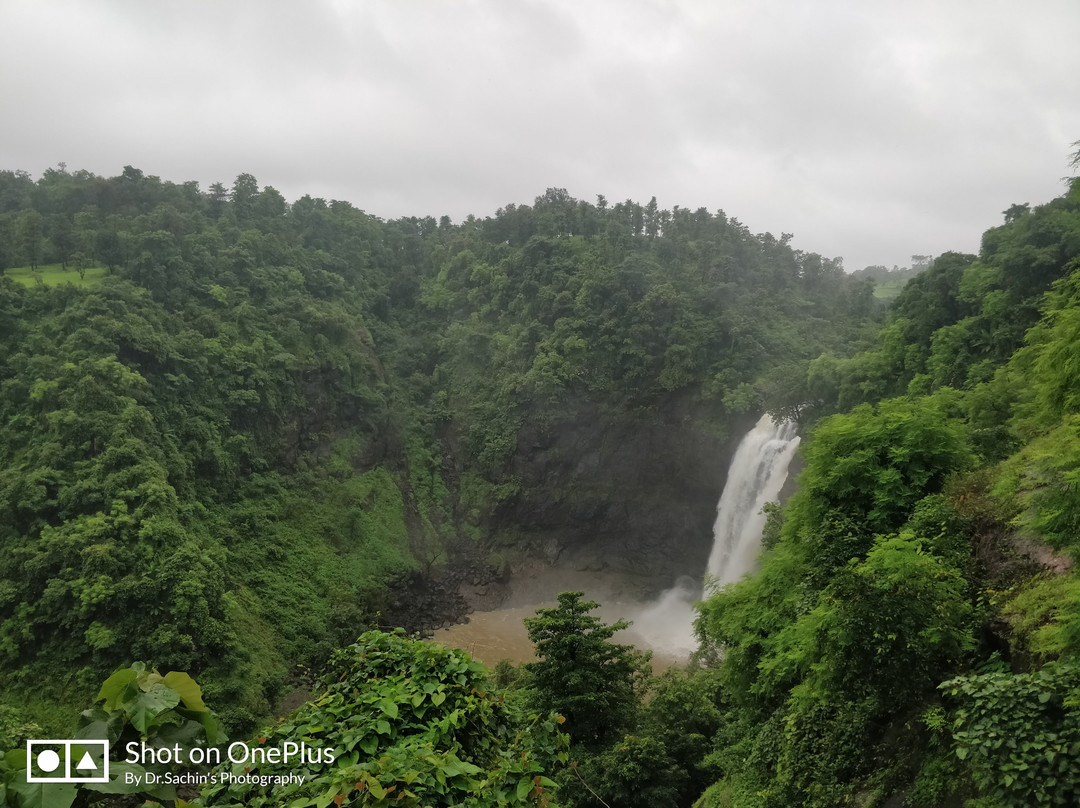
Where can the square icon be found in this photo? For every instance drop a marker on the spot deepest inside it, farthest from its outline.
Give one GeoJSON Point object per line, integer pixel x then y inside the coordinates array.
{"type": "Point", "coordinates": [57, 761]}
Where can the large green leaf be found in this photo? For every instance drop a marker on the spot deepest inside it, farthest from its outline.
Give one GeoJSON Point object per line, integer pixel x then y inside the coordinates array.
{"type": "Point", "coordinates": [36, 795]}
{"type": "Point", "coordinates": [190, 692]}
{"type": "Point", "coordinates": [115, 687]}
{"type": "Point", "coordinates": [388, 707]}
{"type": "Point", "coordinates": [149, 704]}
{"type": "Point", "coordinates": [184, 734]}
{"type": "Point", "coordinates": [524, 787]}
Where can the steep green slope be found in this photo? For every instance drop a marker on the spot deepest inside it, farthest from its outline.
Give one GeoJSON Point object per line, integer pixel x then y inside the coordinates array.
{"type": "Point", "coordinates": [153, 498]}
{"type": "Point", "coordinates": [594, 363]}
{"type": "Point", "coordinates": [913, 636]}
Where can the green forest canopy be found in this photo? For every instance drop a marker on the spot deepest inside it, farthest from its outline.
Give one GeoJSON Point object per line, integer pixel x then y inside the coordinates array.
{"type": "Point", "coordinates": [222, 454]}
{"type": "Point", "coordinates": [334, 396]}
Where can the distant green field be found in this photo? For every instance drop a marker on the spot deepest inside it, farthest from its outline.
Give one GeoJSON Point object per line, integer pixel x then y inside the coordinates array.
{"type": "Point", "coordinates": [887, 290]}
{"type": "Point", "coordinates": [54, 275]}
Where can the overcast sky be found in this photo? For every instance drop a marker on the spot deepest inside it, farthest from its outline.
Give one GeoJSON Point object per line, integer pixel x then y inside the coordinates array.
{"type": "Point", "coordinates": [870, 130]}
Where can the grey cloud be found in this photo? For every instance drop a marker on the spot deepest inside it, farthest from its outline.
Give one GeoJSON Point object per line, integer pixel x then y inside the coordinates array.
{"type": "Point", "coordinates": [869, 130]}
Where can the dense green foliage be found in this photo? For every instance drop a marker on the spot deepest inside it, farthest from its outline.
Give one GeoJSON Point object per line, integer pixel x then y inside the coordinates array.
{"type": "Point", "coordinates": [636, 739]}
{"type": "Point", "coordinates": [410, 724]}
{"type": "Point", "coordinates": [665, 759]}
{"type": "Point", "coordinates": [397, 722]}
{"type": "Point", "coordinates": [862, 661]}
{"type": "Point", "coordinates": [143, 451]}
{"type": "Point", "coordinates": [965, 316]}
{"type": "Point", "coordinates": [859, 611]}
{"type": "Point", "coordinates": [136, 706]}
{"type": "Point", "coordinates": [220, 455]}
{"type": "Point", "coordinates": [1022, 733]}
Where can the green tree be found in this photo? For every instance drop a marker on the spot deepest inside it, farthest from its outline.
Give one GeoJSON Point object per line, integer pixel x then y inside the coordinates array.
{"type": "Point", "coordinates": [875, 464]}
{"type": "Point", "coordinates": [637, 772]}
{"type": "Point", "coordinates": [595, 683]}
{"type": "Point", "coordinates": [31, 230]}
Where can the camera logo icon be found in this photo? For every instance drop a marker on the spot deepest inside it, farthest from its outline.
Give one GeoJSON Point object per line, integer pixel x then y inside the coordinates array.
{"type": "Point", "coordinates": [54, 761]}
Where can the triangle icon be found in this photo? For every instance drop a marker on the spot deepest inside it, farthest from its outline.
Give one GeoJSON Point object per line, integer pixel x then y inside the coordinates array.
{"type": "Point", "coordinates": [87, 762]}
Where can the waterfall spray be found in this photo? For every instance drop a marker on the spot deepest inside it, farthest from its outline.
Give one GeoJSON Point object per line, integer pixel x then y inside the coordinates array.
{"type": "Point", "coordinates": [757, 473]}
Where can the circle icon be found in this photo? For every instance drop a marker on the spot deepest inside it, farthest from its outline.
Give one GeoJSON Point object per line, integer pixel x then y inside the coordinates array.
{"type": "Point", "coordinates": [48, 760]}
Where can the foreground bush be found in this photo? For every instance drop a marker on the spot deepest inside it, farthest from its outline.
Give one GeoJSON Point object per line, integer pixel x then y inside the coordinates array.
{"type": "Point", "coordinates": [407, 723]}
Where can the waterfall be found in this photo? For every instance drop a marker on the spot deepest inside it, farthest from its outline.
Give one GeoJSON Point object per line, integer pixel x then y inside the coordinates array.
{"type": "Point", "coordinates": [757, 473]}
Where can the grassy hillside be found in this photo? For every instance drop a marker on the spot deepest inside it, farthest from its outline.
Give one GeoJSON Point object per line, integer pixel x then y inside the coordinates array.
{"type": "Point", "coordinates": [56, 274]}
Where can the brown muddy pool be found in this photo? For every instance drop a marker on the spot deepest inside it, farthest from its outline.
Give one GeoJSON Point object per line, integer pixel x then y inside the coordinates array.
{"type": "Point", "coordinates": [662, 625]}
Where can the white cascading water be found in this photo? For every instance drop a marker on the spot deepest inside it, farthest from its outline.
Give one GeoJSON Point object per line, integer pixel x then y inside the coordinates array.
{"type": "Point", "coordinates": [757, 473]}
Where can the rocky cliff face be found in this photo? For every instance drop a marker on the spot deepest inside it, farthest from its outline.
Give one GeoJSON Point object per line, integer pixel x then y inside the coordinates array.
{"type": "Point", "coordinates": [633, 492]}
{"type": "Point", "coordinates": [601, 489]}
